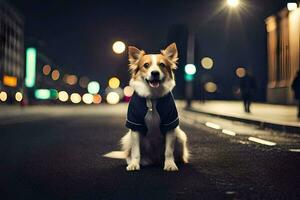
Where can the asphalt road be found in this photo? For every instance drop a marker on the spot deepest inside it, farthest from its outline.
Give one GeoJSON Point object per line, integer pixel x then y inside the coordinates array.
{"type": "Point", "coordinates": [57, 154]}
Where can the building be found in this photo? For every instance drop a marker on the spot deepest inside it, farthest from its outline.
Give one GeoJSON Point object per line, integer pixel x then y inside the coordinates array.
{"type": "Point", "coordinates": [11, 49]}
{"type": "Point", "coordinates": [283, 42]}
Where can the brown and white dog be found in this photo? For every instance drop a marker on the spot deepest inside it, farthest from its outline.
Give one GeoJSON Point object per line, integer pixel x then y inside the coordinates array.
{"type": "Point", "coordinates": [152, 79]}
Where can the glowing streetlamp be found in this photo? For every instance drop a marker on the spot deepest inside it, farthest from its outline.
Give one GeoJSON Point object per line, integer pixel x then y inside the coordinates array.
{"type": "Point", "coordinates": [119, 47]}
{"type": "Point", "coordinates": [233, 3]}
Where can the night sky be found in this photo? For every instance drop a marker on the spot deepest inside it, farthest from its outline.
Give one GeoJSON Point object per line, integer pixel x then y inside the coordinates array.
{"type": "Point", "coordinates": [78, 35]}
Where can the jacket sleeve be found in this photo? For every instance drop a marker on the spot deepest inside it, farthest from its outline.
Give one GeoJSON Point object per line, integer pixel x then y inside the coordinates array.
{"type": "Point", "coordinates": [135, 115]}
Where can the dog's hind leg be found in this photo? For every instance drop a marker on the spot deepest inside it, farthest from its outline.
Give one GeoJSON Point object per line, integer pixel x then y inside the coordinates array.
{"type": "Point", "coordinates": [126, 146]}
{"type": "Point", "coordinates": [182, 139]}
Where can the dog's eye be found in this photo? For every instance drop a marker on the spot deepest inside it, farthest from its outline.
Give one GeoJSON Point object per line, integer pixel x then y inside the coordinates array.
{"type": "Point", "coordinates": [146, 65]}
{"type": "Point", "coordinates": [162, 65]}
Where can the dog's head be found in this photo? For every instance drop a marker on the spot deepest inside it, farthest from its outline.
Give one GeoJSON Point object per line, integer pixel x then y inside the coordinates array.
{"type": "Point", "coordinates": [152, 74]}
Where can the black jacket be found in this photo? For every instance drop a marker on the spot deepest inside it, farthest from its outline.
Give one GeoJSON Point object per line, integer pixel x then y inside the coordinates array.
{"type": "Point", "coordinates": [137, 111]}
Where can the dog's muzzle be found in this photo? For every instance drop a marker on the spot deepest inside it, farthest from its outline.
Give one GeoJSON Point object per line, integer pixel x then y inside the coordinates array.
{"type": "Point", "coordinates": [154, 80]}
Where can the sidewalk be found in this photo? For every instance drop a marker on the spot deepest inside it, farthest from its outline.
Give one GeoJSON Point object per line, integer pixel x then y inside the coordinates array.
{"type": "Point", "coordinates": [279, 117]}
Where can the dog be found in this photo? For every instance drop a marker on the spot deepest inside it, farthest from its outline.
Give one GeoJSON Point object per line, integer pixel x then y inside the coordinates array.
{"type": "Point", "coordinates": [154, 135]}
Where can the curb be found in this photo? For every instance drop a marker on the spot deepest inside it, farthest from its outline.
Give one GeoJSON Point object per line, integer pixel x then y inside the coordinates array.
{"type": "Point", "coordinates": [261, 124]}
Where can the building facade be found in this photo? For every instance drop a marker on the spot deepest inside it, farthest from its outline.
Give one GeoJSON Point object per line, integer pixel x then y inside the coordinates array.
{"type": "Point", "coordinates": [283, 42]}
{"type": "Point", "coordinates": [11, 49]}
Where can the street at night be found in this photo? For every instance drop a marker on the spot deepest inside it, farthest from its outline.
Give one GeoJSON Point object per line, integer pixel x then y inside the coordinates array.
{"type": "Point", "coordinates": [56, 153]}
{"type": "Point", "coordinates": [149, 99]}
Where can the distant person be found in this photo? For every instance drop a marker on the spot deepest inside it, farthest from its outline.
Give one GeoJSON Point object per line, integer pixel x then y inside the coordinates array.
{"type": "Point", "coordinates": [248, 87]}
{"type": "Point", "coordinates": [296, 88]}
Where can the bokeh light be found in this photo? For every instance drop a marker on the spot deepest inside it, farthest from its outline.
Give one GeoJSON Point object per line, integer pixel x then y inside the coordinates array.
{"type": "Point", "coordinates": [42, 94]}
{"type": "Point", "coordinates": [3, 96]}
{"type": "Point", "coordinates": [190, 69]}
{"type": "Point", "coordinates": [84, 81]}
{"type": "Point", "coordinates": [88, 98]}
{"type": "Point", "coordinates": [128, 91]}
{"type": "Point", "coordinates": [210, 87]}
{"type": "Point", "coordinates": [18, 96]}
{"type": "Point", "coordinates": [292, 6]}
{"type": "Point", "coordinates": [114, 82]}
{"type": "Point", "coordinates": [207, 63]}
{"type": "Point", "coordinates": [112, 98]}
{"type": "Point", "coordinates": [75, 98]}
{"type": "Point", "coordinates": [63, 96]}
{"type": "Point", "coordinates": [97, 99]}
{"type": "Point", "coordinates": [46, 70]}
{"type": "Point", "coordinates": [71, 79]}
{"type": "Point", "coordinates": [93, 87]}
{"type": "Point", "coordinates": [240, 72]}
{"type": "Point", "coordinates": [119, 47]}
{"type": "Point", "coordinates": [55, 74]}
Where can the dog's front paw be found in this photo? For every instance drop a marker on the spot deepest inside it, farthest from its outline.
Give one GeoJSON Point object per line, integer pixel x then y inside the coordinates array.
{"type": "Point", "coordinates": [133, 167]}
{"type": "Point", "coordinates": [170, 166]}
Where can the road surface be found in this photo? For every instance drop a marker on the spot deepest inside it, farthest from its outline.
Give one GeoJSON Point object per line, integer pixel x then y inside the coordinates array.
{"type": "Point", "coordinates": [56, 153]}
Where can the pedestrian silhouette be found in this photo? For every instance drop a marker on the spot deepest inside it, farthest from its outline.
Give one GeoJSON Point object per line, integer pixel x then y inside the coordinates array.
{"type": "Point", "coordinates": [248, 87]}
{"type": "Point", "coordinates": [296, 88]}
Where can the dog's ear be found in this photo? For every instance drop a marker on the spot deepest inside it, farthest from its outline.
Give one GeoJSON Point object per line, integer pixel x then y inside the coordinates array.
{"type": "Point", "coordinates": [134, 55]}
{"type": "Point", "coordinates": [171, 52]}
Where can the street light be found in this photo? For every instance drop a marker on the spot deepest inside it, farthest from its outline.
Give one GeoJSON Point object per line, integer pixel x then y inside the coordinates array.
{"type": "Point", "coordinates": [233, 3]}
{"type": "Point", "coordinates": [119, 47]}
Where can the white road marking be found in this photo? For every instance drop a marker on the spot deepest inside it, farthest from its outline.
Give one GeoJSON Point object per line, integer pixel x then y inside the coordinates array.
{"type": "Point", "coordinates": [261, 141]}
{"type": "Point", "coordinates": [212, 125]}
{"type": "Point", "coordinates": [295, 150]}
{"type": "Point", "coordinates": [228, 132]}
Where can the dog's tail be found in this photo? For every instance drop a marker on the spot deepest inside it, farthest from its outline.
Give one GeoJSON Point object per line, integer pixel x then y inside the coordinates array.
{"type": "Point", "coordinates": [116, 154]}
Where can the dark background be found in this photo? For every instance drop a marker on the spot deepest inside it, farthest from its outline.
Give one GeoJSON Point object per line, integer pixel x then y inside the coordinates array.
{"type": "Point", "coordinates": [78, 35]}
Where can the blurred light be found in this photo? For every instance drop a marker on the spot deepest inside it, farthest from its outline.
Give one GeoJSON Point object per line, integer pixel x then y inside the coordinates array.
{"type": "Point", "coordinates": [212, 125]}
{"type": "Point", "coordinates": [233, 3]}
{"type": "Point", "coordinates": [207, 63]}
{"type": "Point", "coordinates": [114, 82]}
{"type": "Point", "coordinates": [190, 69]}
{"type": "Point", "coordinates": [42, 94]}
{"type": "Point", "coordinates": [240, 72]}
{"type": "Point", "coordinates": [93, 87]}
{"type": "Point", "coordinates": [128, 91]}
{"type": "Point", "coordinates": [75, 98]}
{"type": "Point", "coordinates": [30, 67]}
{"type": "Point", "coordinates": [228, 132]}
{"type": "Point", "coordinates": [88, 98]}
{"type": "Point", "coordinates": [55, 75]}
{"type": "Point", "coordinates": [118, 47]}
{"type": "Point", "coordinates": [97, 99]}
{"type": "Point", "coordinates": [63, 96]}
{"type": "Point", "coordinates": [10, 81]}
{"type": "Point", "coordinates": [18, 96]}
{"type": "Point", "coordinates": [292, 6]}
{"type": "Point", "coordinates": [260, 141]}
{"type": "Point", "coordinates": [84, 81]}
{"type": "Point", "coordinates": [3, 96]}
{"type": "Point", "coordinates": [188, 77]}
{"type": "Point", "coordinates": [210, 87]}
{"type": "Point", "coordinates": [46, 70]}
{"type": "Point", "coordinates": [113, 98]}
{"type": "Point", "coordinates": [71, 79]}
{"type": "Point", "coordinates": [53, 94]}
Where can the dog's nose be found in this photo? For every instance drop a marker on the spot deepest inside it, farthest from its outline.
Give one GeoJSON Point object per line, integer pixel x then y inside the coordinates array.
{"type": "Point", "coordinates": [155, 74]}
